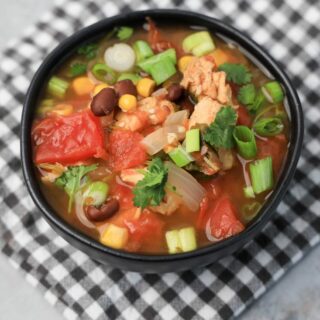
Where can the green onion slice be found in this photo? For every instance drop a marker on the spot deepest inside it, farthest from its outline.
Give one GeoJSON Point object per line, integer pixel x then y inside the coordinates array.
{"type": "Point", "coordinates": [96, 193]}
{"type": "Point", "coordinates": [261, 175]}
{"type": "Point", "coordinates": [246, 142]}
{"type": "Point", "coordinates": [268, 127]}
{"type": "Point", "coordinates": [273, 91]}
{"type": "Point", "coordinates": [58, 87]}
{"type": "Point", "coordinates": [142, 50]}
{"type": "Point", "coordinates": [104, 73]}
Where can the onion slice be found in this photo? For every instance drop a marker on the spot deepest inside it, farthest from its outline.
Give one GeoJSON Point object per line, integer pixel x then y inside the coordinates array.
{"type": "Point", "coordinates": [186, 185]}
{"type": "Point", "coordinates": [177, 118]}
{"type": "Point", "coordinates": [78, 200]}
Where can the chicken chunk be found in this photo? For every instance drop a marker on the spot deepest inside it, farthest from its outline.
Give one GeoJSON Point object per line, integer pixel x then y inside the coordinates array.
{"type": "Point", "coordinates": [150, 111]}
{"type": "Point", "coordinates": [205, 112]}
{"type": "Point", "coordinates": [169, 205]}
{"type": "Point", "coordinates": [201, 79]}
{"type": "Point", "coordinates": [131, 176]}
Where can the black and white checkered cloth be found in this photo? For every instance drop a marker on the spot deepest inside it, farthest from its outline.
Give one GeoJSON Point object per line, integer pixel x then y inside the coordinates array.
{"type": "Point", "coordinates": [83, 289]}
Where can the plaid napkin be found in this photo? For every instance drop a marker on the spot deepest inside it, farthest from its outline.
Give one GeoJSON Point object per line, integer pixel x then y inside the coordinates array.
{"type": "Point", "coordinates": [83, 289]}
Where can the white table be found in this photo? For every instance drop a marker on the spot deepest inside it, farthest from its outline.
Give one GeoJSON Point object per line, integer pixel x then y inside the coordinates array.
{"type": "Point", "coordinates": [296, 297]}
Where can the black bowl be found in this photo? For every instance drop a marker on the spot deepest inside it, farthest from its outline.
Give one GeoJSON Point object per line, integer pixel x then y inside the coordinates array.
{"type": "Point", "coordinates": [159, 263]}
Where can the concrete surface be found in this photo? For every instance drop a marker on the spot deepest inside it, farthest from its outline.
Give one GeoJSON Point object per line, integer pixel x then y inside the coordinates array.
{"type": "Point", "coordinates": [295, 297]}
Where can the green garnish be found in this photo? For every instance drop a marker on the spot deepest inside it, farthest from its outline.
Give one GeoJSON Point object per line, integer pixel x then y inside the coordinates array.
{"type": "Point", "coordinates": [219, 133]}
{"type": "Point", "coordinates": [247, 94]}
{"type": "Point", "coordinates": [89, 50]}
{"type": "Point", "coordinates": [70, 180]}
{"type": "Point", "coordinates": [77, 69]}
{"type": "Point", "coordinates": [268, 127]}
{"type": "Point", "coordinates": [124, 33]}
{"type": "Point", "coordinates": [236, 73]}
{"type": "Point", "coordinates": [245, 141]}
{"type": "Point", "coordinates": [150, 190]}
{"type": "Point", "coordinates": [57, 87]}
{"type": "Point", "coordinates": [261, 174]}
{"type": "Point", "coordinates": [252, 98]}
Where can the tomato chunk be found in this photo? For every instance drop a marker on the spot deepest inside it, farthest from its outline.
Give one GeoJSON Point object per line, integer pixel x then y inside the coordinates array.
{"type": "Point", "coordinates": [68, 139]}
{"type": "Point", "coordinates": [148, 227]}
{"type": "Point", "coordinates": [123, 194]}
{"type": "Point", "coordinates": [126, 150]}
{"type": "Point", "coordinates": [223, 219]}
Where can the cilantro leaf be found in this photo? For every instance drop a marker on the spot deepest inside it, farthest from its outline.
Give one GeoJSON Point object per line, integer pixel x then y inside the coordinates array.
{"type": "Point", "coordinates": [247, 94]}
{"type": "Point", "coordinates": [150, 190]}
{"type": "Point", "coordinates": [70, 180]}
{"type": "Point", "coordinates": [219, 133]}
{"type": "Point", "coordinates": [124, 33]}
{"type": "Point", "coordinates": [236, 73]}
{"type": "Point", "coordinates": [89, 50]}
{"type": "Point", "coordinates": [78, 69]}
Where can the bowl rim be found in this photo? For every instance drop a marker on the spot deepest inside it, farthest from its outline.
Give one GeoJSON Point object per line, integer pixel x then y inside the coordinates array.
{"type": "Point", "coordinates": [86, 33]}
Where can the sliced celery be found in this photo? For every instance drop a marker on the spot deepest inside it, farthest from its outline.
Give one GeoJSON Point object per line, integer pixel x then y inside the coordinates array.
{"type": "Point", "coordinates": [162, 70]}
{"type": "Point", "coordinates": [199, 43]}
{"type": "Point", "coordinates": [180, 157]}
{"type": "Point", "coordinates": [58, 87]}
{"type": "Point", "coordinates": [173, 241]}
{"type": "Point", "coordinates": [142, 50]}
{"type": "Point", "coordinates": [261, 175]}
{"type": "Point", "coordinates": [187, 238]}
{"type": "Point", "coordinates": [193, 140]}
{"type": "Point", "coordinates": [147, 64]}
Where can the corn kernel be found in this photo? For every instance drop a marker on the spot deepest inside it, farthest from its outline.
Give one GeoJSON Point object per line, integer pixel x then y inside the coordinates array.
{"type": "Point", "coordinates": [114, 237]}
{"type": "Point", "coordinates": [183, 62]}
{"type": "Point", "coordinates": [127, 102]}
{"type": "Point", "coordinates": [99, 87]}
{"type": "Point", "coordinates": [82, 86]}
{"type": "Point", "coordinates": [145, 87]}
{"type": "Point", "coordinates": [62, 109]}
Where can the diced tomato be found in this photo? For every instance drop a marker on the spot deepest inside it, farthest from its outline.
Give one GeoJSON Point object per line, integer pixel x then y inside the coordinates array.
{"type": "Point", "coordinates": [274, 147]}
{"type": "Point", "coordinates": [222, 217]}
{"type": "Point", "coordinates": [125, 149]}
{"type": "Point", "coordinates": [68, 139]}
{"type": "Point", "coordinates": [244, 118]}
{"type": "Point", "coordinates": [147, 228]}
{"type": "Point", "coordinates": [123, 194]}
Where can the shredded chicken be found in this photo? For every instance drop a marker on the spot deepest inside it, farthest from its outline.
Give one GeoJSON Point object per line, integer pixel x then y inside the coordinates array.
{"type": "Point", "coordinates": [131, 176]}
{"type": "Point", "coordinates": [50, 171]}
{"type": "Point", "coordinates": [202, 80]}
{"type": "Point", "coordinates": [151, 110]}
{"type": "Point", "coordinates": [205, 112]}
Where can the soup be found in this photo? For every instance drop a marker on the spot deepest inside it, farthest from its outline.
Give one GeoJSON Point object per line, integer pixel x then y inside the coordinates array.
{"type": "Point", "coordinates": [159, 140]}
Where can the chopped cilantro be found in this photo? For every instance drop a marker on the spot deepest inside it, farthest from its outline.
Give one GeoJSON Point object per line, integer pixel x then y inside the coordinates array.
{"type": "Point", "coordinates": [89, 50]}
{"type": "Point", "coordinates": [247, 94]}
{"type": "Point", "coordinates": [219, 133]}
{"type": "Point", "coordinates": [124, 33]}
{"type": "Point", "coordinates": [70, 180]}
{"type": "Point", "coordinates": [77, 69]}
{"type": "Point", "coordinates": [236, 73]}
{"type": "Point", "coordinates": [150, 190]}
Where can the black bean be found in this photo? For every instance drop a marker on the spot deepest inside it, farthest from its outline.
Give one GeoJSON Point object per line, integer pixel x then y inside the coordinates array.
{"type": "Point", "coordinates": [125, 87]}
{"type": "Point", "coordinates": [106, 211]}
{"type": "Point", "coordinates": [104, 102]}
{"type": "Point", "coordinates": [175, 91]}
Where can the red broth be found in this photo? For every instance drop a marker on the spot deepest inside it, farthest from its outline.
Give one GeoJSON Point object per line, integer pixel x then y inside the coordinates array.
{"type": "Point", "coordinates": [146, 229]}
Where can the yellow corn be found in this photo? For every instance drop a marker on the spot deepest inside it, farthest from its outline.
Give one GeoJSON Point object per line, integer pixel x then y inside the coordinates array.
{"type": "Point", "coordinates": [220, 56]}
{"type": "Point", "coordinates": [183, 62]}
{"type": "Point", "coordinates": [99, 87]}
{"type": "Point", "coordinates": [145, 87]}
{"type": "Point", "coordinates": [62, 109]}
{"type": "Point", "coordinates": [114, 237]}
{"type": "Point", "coordinates": [82, 86]}
{"type": "Point", "coordinates": [127, 102]}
